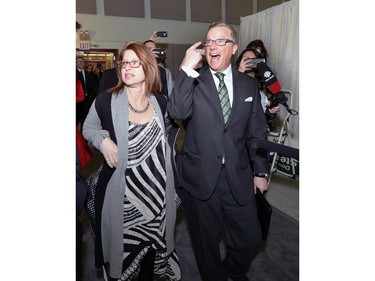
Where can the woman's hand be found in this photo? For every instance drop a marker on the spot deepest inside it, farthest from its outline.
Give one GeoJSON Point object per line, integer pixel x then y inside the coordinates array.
{"type": "Point", "coordinates": [244, 65]}
{"type": "Point", "coordinates": [110, 152]}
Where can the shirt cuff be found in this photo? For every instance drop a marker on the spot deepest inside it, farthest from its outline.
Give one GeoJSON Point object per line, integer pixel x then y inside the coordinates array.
{"type": "Point", "coordinates": [190, 72]}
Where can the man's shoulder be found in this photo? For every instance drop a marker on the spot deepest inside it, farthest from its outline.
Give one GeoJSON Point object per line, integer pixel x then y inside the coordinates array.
{"type": "Point", "coordinates": [109, 70]}
{"type": "Point", "coordinates": [243, 77]}
{"type": "Point", "coordinates": [162, 69]}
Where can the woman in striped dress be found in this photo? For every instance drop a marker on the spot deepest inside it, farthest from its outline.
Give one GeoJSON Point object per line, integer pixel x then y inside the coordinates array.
{"type": "Point", "coordinates": [135, 200]}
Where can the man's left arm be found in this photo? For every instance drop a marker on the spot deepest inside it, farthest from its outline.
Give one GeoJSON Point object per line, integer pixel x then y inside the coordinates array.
{"type": "Point", "coordinates": [258, 131]}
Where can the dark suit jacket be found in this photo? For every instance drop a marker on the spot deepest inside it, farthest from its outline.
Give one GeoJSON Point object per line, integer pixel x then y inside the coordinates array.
{"type": "Point", "coordinates": [109, 79]}
{"type": "Point", "coordinates": [207, 137]}
{"type": "Point", "coordinates": [90, 84]}
{"type": "Point", "coordinates": [163, 78]}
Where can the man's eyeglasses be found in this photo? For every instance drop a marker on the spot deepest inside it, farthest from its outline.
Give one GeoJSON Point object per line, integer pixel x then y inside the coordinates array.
{"type": "Point", "coordinates": [218, 42]}
{"type": "Point", "coordinates": [133, 63]}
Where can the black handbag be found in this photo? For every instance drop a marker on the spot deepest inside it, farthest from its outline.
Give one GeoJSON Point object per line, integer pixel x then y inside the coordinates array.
{"type": "Point", "coordinates": [264, 213]}
{"type": "Point", "coordinates": [90, 201]}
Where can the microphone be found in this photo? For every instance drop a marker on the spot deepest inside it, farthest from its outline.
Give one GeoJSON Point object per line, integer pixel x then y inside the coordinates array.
{"type": "Point", "coordinates": [269, 78]}
{"type": "Point", "coordinates": [272, 84]}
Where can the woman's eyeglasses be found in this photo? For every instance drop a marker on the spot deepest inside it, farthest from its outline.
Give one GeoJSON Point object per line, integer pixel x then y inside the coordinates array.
{"type": "Point", "coordinates": [133, 63]}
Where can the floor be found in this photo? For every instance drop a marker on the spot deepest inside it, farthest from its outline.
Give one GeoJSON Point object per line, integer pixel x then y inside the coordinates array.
{"type": "Point", "coordinates": [283, 194]}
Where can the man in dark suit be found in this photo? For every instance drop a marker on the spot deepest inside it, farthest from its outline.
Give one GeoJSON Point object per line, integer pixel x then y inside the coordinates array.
{"type": "Point", "coordinates": [89, 88]}
{"type": "Point", "coordinates": [109, 79]}
{"type": "Point", "coordinates": [219, 168]}
{"type": "Point", "coordinates": [163, 71]}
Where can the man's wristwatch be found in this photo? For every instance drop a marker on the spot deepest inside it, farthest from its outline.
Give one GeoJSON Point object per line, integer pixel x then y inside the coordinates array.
{"type": "Point", "coordinates": [262, 175]}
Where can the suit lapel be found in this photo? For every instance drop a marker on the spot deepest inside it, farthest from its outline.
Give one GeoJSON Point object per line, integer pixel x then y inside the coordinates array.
{"type": "Point", "coordinates": [236, 95]}
{"type": "Point", "coordinates": [80, 75]}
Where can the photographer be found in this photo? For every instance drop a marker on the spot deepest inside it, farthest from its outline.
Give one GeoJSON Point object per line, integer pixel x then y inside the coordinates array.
{"type": "Point", "coordinates": [245, 64]}
{"type": "Point", "coordinates": [165, 73]}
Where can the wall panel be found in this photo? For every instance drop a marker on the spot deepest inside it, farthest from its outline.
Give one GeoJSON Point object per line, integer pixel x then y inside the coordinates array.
{"type": "Point", "coordinates": [168, 9]}
{"type": "Point", "coordinates": [206, 11]}
{"type": "Point", "coordinates": [265, 4]}
{"type": "Point", "coordinates": [86, 7]}
{"type": "Point", "coordinates": [234, 9]}
{"type": "Point", "coordinates": [124, 8]}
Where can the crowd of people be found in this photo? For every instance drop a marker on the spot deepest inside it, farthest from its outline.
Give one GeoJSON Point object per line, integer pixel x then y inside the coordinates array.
{"type": "Point", "coordinates": [128, 113]}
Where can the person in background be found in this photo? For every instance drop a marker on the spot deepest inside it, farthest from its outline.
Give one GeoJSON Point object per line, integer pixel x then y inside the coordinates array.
{"type": "Point", "coordinates": [98, 72]}
{"type": "Point", "coordinates": [259, 46]}
{"type": "Point", "coordinates": [108, 80]}
{"type": "Point", "coordinates": [219, 168]}
{"type": "Point", "coordinates": [162, 62]}
{"type": "Point", "coordinates": [165, 74]}
{"type": "Point", "coordinates": [89, 68]}
{"type": "Point", "coordinates": [243, 63]}
{"type": "Point", "coordinates": [90, 91]}
{"type": "Point", "coordinates": [135, 197]}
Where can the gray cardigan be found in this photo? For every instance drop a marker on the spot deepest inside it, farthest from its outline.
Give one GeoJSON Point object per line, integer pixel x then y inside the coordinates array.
{"type": "Point", "coordinates": [112, 213]}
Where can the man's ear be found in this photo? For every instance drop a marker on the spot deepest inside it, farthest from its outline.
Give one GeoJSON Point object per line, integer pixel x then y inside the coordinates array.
{"type": "Point", "coordinates": [235, 48]}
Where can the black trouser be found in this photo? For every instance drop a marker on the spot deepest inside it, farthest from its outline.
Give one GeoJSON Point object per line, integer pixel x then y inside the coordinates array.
{"type": "Point", "coordinates": [222, 215]}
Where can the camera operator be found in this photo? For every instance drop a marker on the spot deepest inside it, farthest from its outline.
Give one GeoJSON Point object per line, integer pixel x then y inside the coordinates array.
{"type": "Point", "coordinates": [165, 73]}
{"type": "Point", "coordinates": [246, 64]}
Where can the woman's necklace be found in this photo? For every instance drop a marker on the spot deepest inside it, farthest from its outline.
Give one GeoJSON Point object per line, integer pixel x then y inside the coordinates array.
{"type": "Point", "coordinates": [139, 111]}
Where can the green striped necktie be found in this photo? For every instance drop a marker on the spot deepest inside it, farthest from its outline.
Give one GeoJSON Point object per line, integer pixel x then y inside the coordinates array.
{"type": "Point", "coordinates": [223, 96]}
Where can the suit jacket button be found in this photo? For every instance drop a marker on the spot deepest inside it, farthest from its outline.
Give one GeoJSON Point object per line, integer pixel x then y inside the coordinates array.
{"type": "Point", "coordinates": [225, 130]}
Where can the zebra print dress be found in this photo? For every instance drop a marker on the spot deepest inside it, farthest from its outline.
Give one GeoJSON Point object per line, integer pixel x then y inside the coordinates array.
{"type": "Point", "coordinates": [144, 203]}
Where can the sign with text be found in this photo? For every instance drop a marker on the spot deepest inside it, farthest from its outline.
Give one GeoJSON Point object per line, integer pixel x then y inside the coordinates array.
{"type": "Point", "coordinates": [84, 45]}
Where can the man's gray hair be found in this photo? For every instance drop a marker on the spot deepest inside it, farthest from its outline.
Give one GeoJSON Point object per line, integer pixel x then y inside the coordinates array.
{"type": "Point", "coordinates": [233, 32]}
